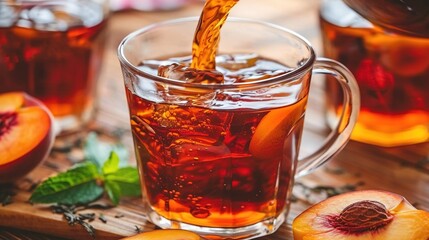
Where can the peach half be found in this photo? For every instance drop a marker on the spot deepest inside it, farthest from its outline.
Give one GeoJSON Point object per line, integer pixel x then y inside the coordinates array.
{"type": "Point", "coordinates": [26, 134]}
{"type": "Point", "coordinates": [369, 215]}
{"type": "Point", "coordinates": [170, 234]}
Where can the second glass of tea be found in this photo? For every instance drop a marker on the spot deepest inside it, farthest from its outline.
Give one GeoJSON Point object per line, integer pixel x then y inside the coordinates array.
{"type": "Point", "coordinates": [218, 150]}
{"type": "Point", "coordinates": [392, 70]}
{"type": "Point", "coordinates": [53, 51]}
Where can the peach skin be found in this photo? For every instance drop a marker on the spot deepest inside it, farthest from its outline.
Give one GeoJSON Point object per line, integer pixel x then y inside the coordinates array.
{"type": "Point", "coordinates": [26, 134]}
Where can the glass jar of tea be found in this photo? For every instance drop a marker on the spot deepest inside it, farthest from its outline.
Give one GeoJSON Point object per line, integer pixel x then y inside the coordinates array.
{"type": "Point", "coordinates": [53, 50]}
{"type": "Point", "coordinates": [392, 69]}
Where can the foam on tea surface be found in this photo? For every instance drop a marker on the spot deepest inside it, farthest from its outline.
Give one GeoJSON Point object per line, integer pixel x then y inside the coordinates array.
{"type": "Point", "coordinates": [231, 68]}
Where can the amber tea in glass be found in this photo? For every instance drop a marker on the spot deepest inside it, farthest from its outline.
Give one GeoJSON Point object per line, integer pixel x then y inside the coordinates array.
{"type": "Point", "coordinates": [53, 51]}
{"type": "Point", "coordinates": [392, 72]}
{"type": "Point", "coordinates": [217, 128]}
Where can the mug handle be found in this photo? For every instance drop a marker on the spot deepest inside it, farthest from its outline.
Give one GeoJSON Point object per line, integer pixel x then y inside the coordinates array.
{"type": "Point", "coordinates": [339, 136]}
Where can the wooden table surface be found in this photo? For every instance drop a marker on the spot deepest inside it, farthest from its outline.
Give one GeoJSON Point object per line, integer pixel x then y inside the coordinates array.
{"type": "Point", "coordinates": [403, 170]}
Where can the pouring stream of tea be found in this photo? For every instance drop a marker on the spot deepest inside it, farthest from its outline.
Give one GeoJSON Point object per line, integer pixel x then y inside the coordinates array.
{"type": "Point", "coordinates": [207, 34]}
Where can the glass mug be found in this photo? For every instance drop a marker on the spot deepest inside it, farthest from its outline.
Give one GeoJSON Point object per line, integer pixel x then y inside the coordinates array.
{"type": "Point", "coordinates": [53, 51]}
{"type": "Point", "coordinates": [220, 159]}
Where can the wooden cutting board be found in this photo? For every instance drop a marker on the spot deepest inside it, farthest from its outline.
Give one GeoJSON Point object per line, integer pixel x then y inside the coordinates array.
{"type": "Point", "coordinates": [39, 218]}
{"type": "Point", "coordinates": [125, 220]}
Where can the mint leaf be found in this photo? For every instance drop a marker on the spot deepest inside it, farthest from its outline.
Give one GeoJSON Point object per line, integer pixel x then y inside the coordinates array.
{"type": "Point", "coordinates": [97, 151]}
{"type": "Point", "coordinates": [127, 179]}
{"type": "Point", "coordinates": [76, 186]}
{"type": "Point", "coordinates": [120, 181]}
{"type": "Point", "coordinates": [113, 191]}
{"type": "Point", "coordinates": [112, 164]}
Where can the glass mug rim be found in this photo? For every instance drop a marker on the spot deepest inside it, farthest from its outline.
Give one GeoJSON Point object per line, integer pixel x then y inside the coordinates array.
{"type": "Point", "coordinates": [74, 7]}
{"type": "Point", "coordinates": [285, 77]}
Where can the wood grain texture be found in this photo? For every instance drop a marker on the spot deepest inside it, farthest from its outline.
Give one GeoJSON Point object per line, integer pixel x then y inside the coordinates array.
{"type": "Point", "coordinates": [403, 170]}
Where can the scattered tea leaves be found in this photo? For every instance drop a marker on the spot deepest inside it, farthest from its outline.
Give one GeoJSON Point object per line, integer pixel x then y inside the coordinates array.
{"type": "Point", "coordinates": [63, 146]}
{"type": "Point", "coordinates": [319, 193]}
{"type": "Point", "coordinates": [88, 227]}
{"type": "Point", "coordinates": [51, 165]}
{"type": "Point", "coordinates": [6, 195]}
{"type": "Point", "coordinates": [59, 208]}
{"type": "Point", "coordinates": [72, 218]}
{"type": "Point", "coordinates": [33, 186]}
{"type": "Point", "coordinates": [101, 206]}
{"type": "Point", "coordinates": [6, 200]}
{"type": "Point", "coordinates": [332, 191]}
{"type": "Point", "coordinates": [137, 229]}
{"type": "Point", "coordinates": [102, 218]}
{"type": "Point", "coordinates": [87, 216]}
{"type": "Point", "coordinates": [119, 215]}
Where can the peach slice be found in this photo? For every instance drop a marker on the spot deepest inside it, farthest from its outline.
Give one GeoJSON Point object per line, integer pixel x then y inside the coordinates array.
{"type": "Point", "coordinates": [170, 234]}
{"type": "Point", "coordinates": [26, 134]}
{"type": "Point", "coordinates": [370, 214]}
{"type": "Point", "coordinates": [269, 137]}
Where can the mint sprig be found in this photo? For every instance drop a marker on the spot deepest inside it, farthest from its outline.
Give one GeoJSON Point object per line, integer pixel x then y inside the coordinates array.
{"type": "Point", "coordinates": [87, 181]}
{"type": "Point", "coordinates": [120, 182]}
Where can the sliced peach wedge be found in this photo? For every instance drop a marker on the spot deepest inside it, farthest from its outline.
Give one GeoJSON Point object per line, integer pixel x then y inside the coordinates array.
{"type": "Point", "coordinates": [170, 234]}
{"type": "Point", "coordinates": [369, 215]}
{"type": "Point", "coordinates": [269, 137]}
{"type": "Point", "coordinates": [26, 134]}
